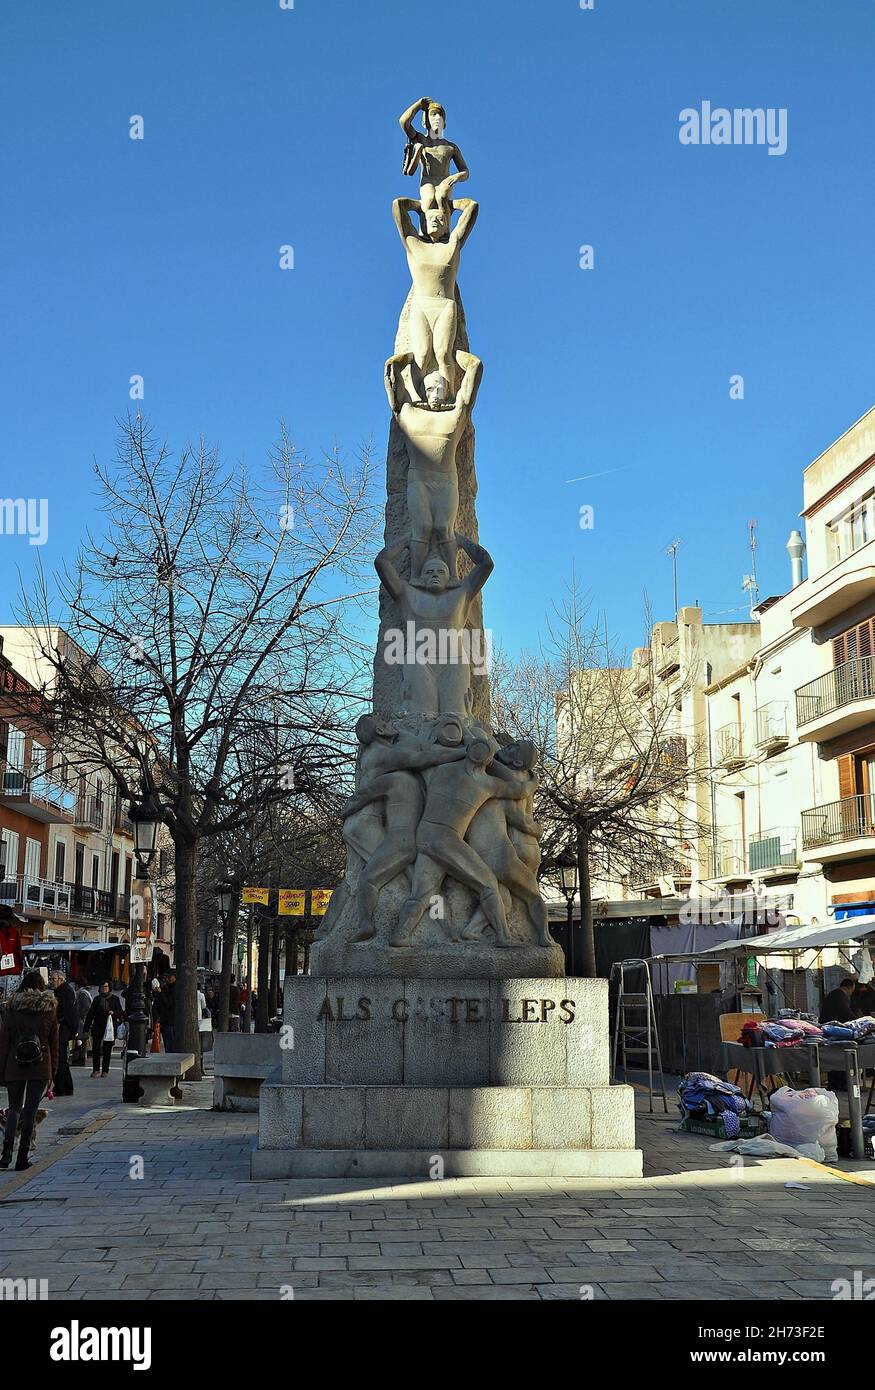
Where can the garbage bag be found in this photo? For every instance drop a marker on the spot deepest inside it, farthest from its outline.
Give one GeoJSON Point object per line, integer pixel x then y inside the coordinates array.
{"type": "Point", "coordinates": [805, 1117]}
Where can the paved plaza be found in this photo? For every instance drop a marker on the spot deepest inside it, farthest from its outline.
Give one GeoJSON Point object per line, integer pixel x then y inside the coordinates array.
{"type": "Point", "coordinates": [194, 1225]}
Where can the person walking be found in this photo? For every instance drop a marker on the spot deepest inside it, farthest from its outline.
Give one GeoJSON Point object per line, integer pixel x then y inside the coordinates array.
{"type": "Point", "coordinates": [78, 1055]}
{"type": "Point", "coordinates": [234, 1006]}
{"type": "Point", "coordinates": [29, 1051]}
{"type": "Point", "coordinates": [68, 1027]}
{"type": "Point", "coordinates": [204, 1021]}
{"type": "Point", "coordinates": [104, 1016]}
{"type": "Point", "coordinates": [167, 1009]}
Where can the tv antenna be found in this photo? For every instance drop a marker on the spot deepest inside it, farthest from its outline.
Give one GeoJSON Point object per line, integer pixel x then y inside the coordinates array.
{"type": "Point", "coordinates": [749, 581]}
{"type": "Point", "coordinates": [672, 550]}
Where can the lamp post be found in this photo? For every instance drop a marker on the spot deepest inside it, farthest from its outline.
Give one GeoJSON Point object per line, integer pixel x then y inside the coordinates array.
{"type": "Point", "coordinates": [146, 817]}
{"type": "Point", "coordinates": [567, 866]}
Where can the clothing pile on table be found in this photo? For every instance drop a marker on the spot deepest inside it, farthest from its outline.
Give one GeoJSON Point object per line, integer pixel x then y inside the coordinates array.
{"type": "Point", "coordinates": [707, 1097]}
{"type": "Point", "coordinates": [854, 1030]}
{"type": "Point", "coordinates": [780, 1032]}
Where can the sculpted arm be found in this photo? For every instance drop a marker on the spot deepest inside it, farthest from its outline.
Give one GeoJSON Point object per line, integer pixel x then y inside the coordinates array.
{"type": "Point", "coordinates": [385, 567]}
{"type": "Point", "coordinates": [465, 225]}
{"type": "Point", "coordinates": [472, 368]}
{"type": "Point", "coordinates": [401, 210]}
{"type": "Point", "coordinates": [482, 561]}
{"type": "Point", "coordinates": [407, 118]}
{"type": "Point", "coordinates": [371, 791]}
{"type": "Point", "coordinates": [392, 379]}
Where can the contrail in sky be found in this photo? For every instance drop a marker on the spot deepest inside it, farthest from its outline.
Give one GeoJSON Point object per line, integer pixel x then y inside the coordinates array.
{"type": "Point", "coordinates": [586, 476]}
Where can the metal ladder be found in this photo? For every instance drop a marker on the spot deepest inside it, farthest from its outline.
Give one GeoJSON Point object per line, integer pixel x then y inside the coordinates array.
{"type": "Point", "coordinates": [639, 1038]}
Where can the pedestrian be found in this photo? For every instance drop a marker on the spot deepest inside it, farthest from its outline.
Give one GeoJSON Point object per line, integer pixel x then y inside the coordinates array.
{"type": "Point", "coordinates": [204, 1021]}
{"type": "Point", "coordinates": [83, 1004]}
{"type": "Point", "coordinates": [29, 1051]}
{"type": "Point", "coordinates": [167, 1010]}
{"type": "Point", "coordinates": [68, 1027]}
{"type": "Point", "coordinates": [837, 1006]}
{"type": "Point", "coordinates": [104, 1017]}
{"type": "Point", "coordinates": [234, 1006]}
{"type": "Point", "coordinates": [863, 1000]}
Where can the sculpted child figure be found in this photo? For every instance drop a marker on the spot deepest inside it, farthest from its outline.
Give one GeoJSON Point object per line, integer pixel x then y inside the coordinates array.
{"type": "Point", "coordinates": [430, 152]}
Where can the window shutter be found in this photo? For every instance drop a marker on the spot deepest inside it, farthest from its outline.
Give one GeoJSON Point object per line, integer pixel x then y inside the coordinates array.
{"type": "Point", "coordinates": [847, 785]}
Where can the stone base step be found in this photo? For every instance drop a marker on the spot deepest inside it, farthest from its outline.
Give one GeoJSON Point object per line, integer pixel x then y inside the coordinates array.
{"type": "Point", "coordinates": [419, 1164]}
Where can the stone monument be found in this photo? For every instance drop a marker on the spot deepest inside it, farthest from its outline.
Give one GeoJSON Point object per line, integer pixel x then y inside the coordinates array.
{"type": "Point", "coordinates": [437, 1022]}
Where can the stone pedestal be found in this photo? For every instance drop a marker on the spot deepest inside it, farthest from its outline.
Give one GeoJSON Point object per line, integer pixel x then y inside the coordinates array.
{"type": "Point", "coordinates": [394, 1077]}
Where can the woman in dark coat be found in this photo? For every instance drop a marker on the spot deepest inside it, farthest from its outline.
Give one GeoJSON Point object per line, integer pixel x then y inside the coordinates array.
{"type": "Point", "coordinates": [104, 1017]}
{"type": "Point", "coordinates": [28, 1059]}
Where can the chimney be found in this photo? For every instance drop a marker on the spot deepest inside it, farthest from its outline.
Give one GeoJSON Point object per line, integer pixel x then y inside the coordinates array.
{"type": "Point", "coordinates": [796, 549]}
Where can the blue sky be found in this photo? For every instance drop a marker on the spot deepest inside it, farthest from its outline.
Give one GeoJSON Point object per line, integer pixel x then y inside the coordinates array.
{"type": "Point", "coordinates": [266, 126]}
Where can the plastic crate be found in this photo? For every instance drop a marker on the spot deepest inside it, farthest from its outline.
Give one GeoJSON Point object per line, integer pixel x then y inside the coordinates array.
{"type": "Point", "coordinates": [749, 1126]}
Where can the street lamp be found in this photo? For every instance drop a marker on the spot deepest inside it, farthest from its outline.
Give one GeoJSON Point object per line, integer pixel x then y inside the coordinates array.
{"type": "Point", "coordinates": [146, 817]}
{"type": "Point", "coordinates": [224, 899]}
{"type": "Point", "coordinates": [566, 863]}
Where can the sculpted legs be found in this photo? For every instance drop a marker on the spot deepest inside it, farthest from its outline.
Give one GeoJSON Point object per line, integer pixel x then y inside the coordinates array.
{"type": "Point", "coordinates": [395, 853]}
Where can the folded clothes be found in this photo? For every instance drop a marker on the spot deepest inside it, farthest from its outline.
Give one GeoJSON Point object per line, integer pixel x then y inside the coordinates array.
{"type": "Point", "coordinates": [707, 1096]}
{"type": "Point", "coordinates": [854, 1030]}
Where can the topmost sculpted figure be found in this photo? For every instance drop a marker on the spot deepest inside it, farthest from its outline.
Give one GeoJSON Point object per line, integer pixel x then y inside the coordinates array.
{"type": "Point", "coordinates": [432, 153]}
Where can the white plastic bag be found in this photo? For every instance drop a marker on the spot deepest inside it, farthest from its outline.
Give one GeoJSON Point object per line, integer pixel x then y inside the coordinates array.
{"type": "Point", "coordinates": [805, 1117]}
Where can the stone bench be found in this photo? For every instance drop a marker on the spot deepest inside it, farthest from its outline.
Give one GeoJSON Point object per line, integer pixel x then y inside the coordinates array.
{"type": "Point", "coordinates": [241, 1062]}
{"type": "Point", "coordinates": [158, 1073]}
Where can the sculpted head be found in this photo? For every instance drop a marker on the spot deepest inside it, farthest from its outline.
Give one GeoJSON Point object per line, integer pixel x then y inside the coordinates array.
{"type": "Point", "coordinates": [522, 755]}
{"type": "Point", "coordinates": [480, 752]}
{"type": "Point", "coordinates": [449, 732]}
{"type": "Point", "coordinates": [434, 576]}
{"type": "Point", "coordinates": [435, 119]}
{"type": "Point", "coordinates": [437, 389]}
{"type": "Point", "coordinates": [370, 727]}
{"type": "Point", "coordinates": [437, 222]}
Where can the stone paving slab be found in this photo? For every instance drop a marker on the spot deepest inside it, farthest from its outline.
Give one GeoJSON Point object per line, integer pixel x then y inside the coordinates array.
{"type": "Point", "coordinates": [194, 1226]}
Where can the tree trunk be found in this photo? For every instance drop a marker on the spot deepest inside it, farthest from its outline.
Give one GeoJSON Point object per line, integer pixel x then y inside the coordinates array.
{"type": "Point", "coordinates": [587, 935]}
{"type": "Point", "coordinates": [186, 1016]}
{"type": "Point", "coordinates": [229, 941]}
{"type": "Point", "coordinates": [262, 1012]}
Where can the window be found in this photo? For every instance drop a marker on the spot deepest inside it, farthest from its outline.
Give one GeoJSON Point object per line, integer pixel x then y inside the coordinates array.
{"type": "Point", "coordinates": [32, 857]}
{"type": "Point", "coordinates": [80, 865]}
{"type": "Point", "coordinates": [852, 530]}
{"type": "Point", "coordinates": [9, 854]}
{"type": "Point", "coordinates": [60, 860]}
{"type": "Point", "coordinates": [95, 871]}
{"type": "Point", "coordinates": [13, 773]}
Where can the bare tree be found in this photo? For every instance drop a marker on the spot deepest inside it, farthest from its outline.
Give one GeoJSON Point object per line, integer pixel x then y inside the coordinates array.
{"type": "Point", "coordinates": [213, 664]}
{"type": "Point", "coordinates": [617, 768]}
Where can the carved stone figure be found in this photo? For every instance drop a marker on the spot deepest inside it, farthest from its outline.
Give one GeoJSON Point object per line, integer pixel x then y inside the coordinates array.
{"type": "Point", "coordinates": [430, 152]}
{"type": "Point", "coordinates": [434, 612]}
{"type": "Point", "coordinates": [455, 794]}
{"type": "Point", "coordinates": [388, 762]}
{"type": "Point", "coordinates": [432, 432]}
{"type": "Point", "coordinates": [433, 256]}
{"type": "Point", "coordinates": [489, 835]}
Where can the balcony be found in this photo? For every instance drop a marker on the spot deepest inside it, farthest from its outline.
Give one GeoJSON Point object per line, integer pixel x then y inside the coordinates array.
{"type": "Point", "coordinates": [36, 794]}
{"type": "Point", "coordinates": [772, 732]}
{"type": "Point", "coordinates": [730, 746]}
{"type": "Point", "coordinates": [773, 853]}
{"type": "Point", "coordinates": [839, 830]}
{"type": "Point", "coordinates": [728, 860]}
{"type": "Point", "coordinates": [842, 700]}
{"type": "Point", "coordinates": [68, 900]}
{"type": "Point", "coordinates": [848, 583]}
{"type": "Point", "coordinates": [122, 823]}
{"type": "Point", "coordinates": [90, 812]}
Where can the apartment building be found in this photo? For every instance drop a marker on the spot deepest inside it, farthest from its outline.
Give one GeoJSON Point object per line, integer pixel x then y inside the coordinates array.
{"type": "Point", "coordinates": [66, 841]}
{"type": "Point", "coordinates": [682, 661]}
{"type": "Point", "coordinates": [835, 706]}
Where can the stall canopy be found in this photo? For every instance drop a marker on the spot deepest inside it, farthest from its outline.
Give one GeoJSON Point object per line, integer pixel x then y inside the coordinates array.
{"type": "Point", "coordinates": [787, 939]}
{"type": "Point", "coordinates": [42, 948]}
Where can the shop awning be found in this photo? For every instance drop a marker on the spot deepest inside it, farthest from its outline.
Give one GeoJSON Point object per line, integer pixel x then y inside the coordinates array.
{"type": "Point", "coordinates": [42, 948]}
{"type": "Point", "coordinates": [811, 938]}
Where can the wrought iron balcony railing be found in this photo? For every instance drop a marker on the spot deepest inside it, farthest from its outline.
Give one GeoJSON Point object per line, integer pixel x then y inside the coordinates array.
{"type": "Point", "coordinates": [851, 818]}
{"type": "Point", "coordinates": [846, 683]}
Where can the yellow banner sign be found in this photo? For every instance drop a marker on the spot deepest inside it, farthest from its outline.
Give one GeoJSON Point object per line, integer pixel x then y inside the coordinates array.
{"type": "Point", "coordinates": [319, 900]}
{"type": "Point", "coordinates": [292, 902]}
{"type": "Point", "coordinates": [256, 895]}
